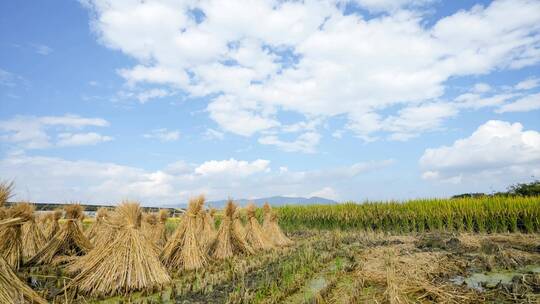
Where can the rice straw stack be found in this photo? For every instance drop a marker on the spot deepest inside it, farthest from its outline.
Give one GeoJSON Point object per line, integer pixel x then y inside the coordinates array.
{"type": "Point", "coordinates": [53, 226]}
{"type": "Point", "coordinates": [69, 241]}
{"type": "Point", "coordinates": [12, 289]}
{"type": "Point", "coordinates": [6, 192]}
{"type": "Point", "coordinates": [230, 240]}
{"type": "Point", "coordinates": [129, 263]}
{"type": "Point", "coordinates": [272, 230]}
{"type": "Point", "coordinates": [96, 228]}
{"type": "Point", "coordinates": [208, 229]}
{"type": "Point", "coordinates": [183, 250]}
{"type": "Point", "coordinates": [254, 233]}
{"type": "Point", "coordinates": [11, 245]}
{"type": "Point", "coordinates": [32, 237]}
{"type": "Point", "coordinates": [160, 232]}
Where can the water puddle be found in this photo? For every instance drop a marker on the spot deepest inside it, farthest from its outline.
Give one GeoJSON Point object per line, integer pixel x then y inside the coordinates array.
{"type": "Point", "coordinates": [481, 281]}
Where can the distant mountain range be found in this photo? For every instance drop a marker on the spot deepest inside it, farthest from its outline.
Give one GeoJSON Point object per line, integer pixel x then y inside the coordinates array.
{"type": "Point", "coordinates": [275, 201]}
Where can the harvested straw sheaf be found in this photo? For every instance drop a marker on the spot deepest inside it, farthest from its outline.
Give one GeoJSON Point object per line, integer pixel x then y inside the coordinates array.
{"type": "Point", "coordinates": [11, 245]}
{"type": "Point", "coordinates": [272, 230]}
{"type": "Point", "coordinates": [6, 192]}
{"type": "Point", "coordinates": [230, 240]}
{"type": "Point", "coordinates": [52, 223]}
{"type": "Point", "coordinates": [208, 229]}
{"type": "Point", "coordinates": [98, 227]}
{"type": "Point", "coordinates": [32, 236]}
{"type": "Point", "coordinates": [160, 232]}
{"type": "Point", "coordinates": [183, 250]}
{"type": "Point", "coordinates": [12, 289]}
{"type": "Point", "coordinates": [254, 233]}
{"type": "Point", "coordinates": [69, 241]}
{"type": "Point", "coordinates": [128, 263]}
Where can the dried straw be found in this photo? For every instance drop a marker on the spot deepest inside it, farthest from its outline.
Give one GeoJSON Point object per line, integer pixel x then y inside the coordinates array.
{"type": "Point", "coordinates": [12, 289]}
{"type": "Point", "coordinates": [254, 233]}
{"type": "Point", "coordinates": [230, 240]}
{"type": "Point", "coordinates": [96, 228]}
{"type": "Point", "coordinates": [53, 226]}
{"type": "Point", "coordinates": [11, 245]}
{"type": "Point", "coordinates": [128, 263]}
{"type": "Point", "coordinates": [32, 237]}
{"type": "Point", "coordinates": [272, 230]}
{"type": "Point", "coordinates": [6, 192]}
{"type": "Point", "coordinates": [183, 250]}
{"type": "Point", "coordinates": [68, 241]}
{"type": "Point", "coordinates": [208, 229]}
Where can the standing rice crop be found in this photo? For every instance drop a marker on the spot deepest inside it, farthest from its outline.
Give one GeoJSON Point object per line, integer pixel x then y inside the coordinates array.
{"type": "Point", "coordinates": [254, 233]}
{"type": "Point", "coordinates": [183, 250]}
{"type": "Point", "coordinates": [69, 241]}
{"type": "Point", "coordinates": [128, 263]}
{"type": "Point", "coordinates": [230, 241]}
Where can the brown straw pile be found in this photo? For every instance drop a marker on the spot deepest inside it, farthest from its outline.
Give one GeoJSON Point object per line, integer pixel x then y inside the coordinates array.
{"type": "Point", "coordinates": [53, 226]}
{"type": "Point", "coordinates": [32, 236]}
{"type": "Point", "coordinates": [254, 233]}
{"type": "Point", "coordinates": [272, 230]}
{"type": "Point", "coordinates": [68, 241]}
{"type": "Point", "coordinates": [12, 289]}
{"type": "Point", "coordinates": [6, 192]}
{"type": "Point", "coordinates": [208, 228]}
{"type": "Point", "coordinates": [11, 245]}
{"type": "Point", "coordinates": [230, 240]}
{"type": "Point", "coordinates": [160, 233]}
{"type": "Point", "coordinates": [96, 228]}
{"type": "Point", "coordinates": [183, 250]}
{"type": "Point", "coordinates": [128, 263]}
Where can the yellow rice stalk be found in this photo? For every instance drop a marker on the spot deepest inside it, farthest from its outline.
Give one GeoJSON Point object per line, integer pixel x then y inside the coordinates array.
{"type": "Point", "coordinates": [32, 237]}
{"type": "Point", "coordinates": [254, 233]}
{"type": "Point", "coordinates": [272, 230]}
{"type": "Point", "coordinates": [6, 192]}
{"type": "Point", "coordinates": [183, 250]}
{"type": "Point", "coordinates": [12, 289]}
{"type": "Point", "coordinates": [53, 226]}
{"type": "Point", "coordinates": [98, 225]}
{"type": "Point", "coordinates": [208, 230]}
{"type": "Point", "coordinates": [229, 241]}
{"type": "Point", "coordinates": [11, 246]}
{"type": "Point", "coordinates": [69, 240]}
{"type": "Point", "coordinates": [129, 263]}
{"type": "Point", "coordinates": [160, 233]}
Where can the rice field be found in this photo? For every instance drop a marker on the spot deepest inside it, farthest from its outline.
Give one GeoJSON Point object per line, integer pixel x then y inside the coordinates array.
{"type": "Point", "coordinates": [481, 250]}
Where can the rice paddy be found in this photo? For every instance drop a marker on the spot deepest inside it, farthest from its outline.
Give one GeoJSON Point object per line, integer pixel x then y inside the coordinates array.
{"type": "Point", "coordinates": [427, 251]}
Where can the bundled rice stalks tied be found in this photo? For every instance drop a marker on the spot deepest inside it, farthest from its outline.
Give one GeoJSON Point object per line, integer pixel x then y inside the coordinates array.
{"type": "Point", "coordinates": [68, 241]}
{"type": "Point", "coordinates": [160, 231]}
{"type": "Point", "coordinates": [208, 229]}
{"type": "Point", "coordinates": [53, 226]}
{"type": "Point", "coordinates": [12, 289]}
{"type": "Point", "coordinates": [129, 263]}
{"type": "Point", "coordinates": [254, 233]}
{"type": "Point", "coordinates": [11, 243]}
{"type": "Point", "coordinates": [230, 240]}
{"type": "Point", "coordinates": [32, 237]}
{"type": "Point", "coordinates": [6, 192]}
{"type": "Point", "coordinates": [272, 230]}
{"type": "Point", "coordinates": [98, 226]}
{"type": "Point", "coordinates": [183, 250]}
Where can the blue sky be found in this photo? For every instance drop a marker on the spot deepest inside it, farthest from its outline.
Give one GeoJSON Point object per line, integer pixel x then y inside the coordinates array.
{"type": "Point", "coordinates": [351, 100]}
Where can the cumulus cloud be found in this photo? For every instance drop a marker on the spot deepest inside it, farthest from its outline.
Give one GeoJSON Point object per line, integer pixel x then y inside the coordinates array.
{"type": "Point", "coordinates": [31, 132]}
{"type": "Point", "coordinates": [52, 179]}
{"type": "Point", "coordinates": [496, 150]}
{"type": "Point", "coordinates": [305, 142]}
{"type": "Point", "coordinates": [258, 59]}
{"type": "Point", "coordinates": [163, 134]}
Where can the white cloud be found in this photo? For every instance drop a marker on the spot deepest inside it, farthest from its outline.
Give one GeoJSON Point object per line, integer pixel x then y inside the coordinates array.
{"type": "Point", "coordinates": [496, 150]}
{"type": "Point", "coordinates": [42, 49]}
{"type": "Point", "coordinates": [326, 192]}
{"type": "Point", "coordinates": [524, 104]}
{"type": "Point", "coordinates": [81, 139]}
{"type": "Point", "coordinates": [213, 134]}
{"type": "Point", "coordinates": [259, 59]}
{"type": "Point", "coordinates": [152, 94]}
{"type": "Point", "coordinates": [528, 84]}
{"type": "Point", "coordinates": [163, 134]}
{"type": "Point", "coordinates": [50, 179]}
{"type": "Point", "coordinates": [481, 87]}
{"type": "Point", "coordinates": [305, 142]}
{"type": "Point", "coordinates": [31, 132]}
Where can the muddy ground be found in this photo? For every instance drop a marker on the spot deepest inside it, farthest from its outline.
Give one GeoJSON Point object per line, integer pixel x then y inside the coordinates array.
{"type": "Point", "coordinates": [355, 267]}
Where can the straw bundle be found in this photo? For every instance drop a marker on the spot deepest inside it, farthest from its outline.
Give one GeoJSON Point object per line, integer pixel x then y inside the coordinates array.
{"type": "Point", "coordinates": [161, 228]}
{"type": "Point", "coordinates": [98, 226]}
{"type": "Point", "coordinates": [128, 263]}
{"type": "Point", "coordinates": [272, 230]}
{"type": "Point", "coordinates": [208, 229]}
{"type": "Point", "coordinates": [12, 289]}
{"type": "Point", "coordinates": [183, 250]}
{"type": "Point", "coordinates": [68, 241]}
{"type": "Point", "coordinates": [254, 233]}
{"type": "Point", "coordinates": [6, 189]}
{"type": "Point", "coordinates": [32, 237]}
{"type": "Point", "coordinates": [230, 240]}
{"type": "Point", "coordinates": [53, 226]}
{"type": "Point", "coordinates": [11, 245]}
